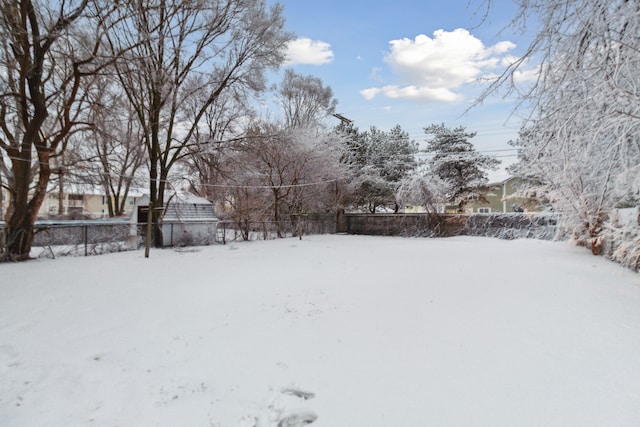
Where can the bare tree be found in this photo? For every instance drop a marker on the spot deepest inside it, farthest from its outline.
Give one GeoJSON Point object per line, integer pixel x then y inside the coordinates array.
{"type": "Point", "coordinates": [180, 48]}
{"type": "Point", "coordinates": [115, 155]}
{"type": "Point", "coordinates": [48, 54]}
{"type": "Point", "coordinates": [277, 174]}
{"type": "Point", "coordinates": [220, 131]}
{"type": "Point", "coordinates": [305, 100]}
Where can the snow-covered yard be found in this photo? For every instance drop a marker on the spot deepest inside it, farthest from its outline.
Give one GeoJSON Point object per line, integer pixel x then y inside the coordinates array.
{"type": "Point", "coordinates": [358, 331]}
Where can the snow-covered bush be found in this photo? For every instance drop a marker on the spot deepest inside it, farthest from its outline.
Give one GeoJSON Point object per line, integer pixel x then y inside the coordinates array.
{"type": "Point", "coordinates": [621, 238]}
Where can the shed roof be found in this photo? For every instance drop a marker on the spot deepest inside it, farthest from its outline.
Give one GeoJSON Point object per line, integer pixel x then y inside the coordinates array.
{"type": "Point", "coordinates": [182, 206]}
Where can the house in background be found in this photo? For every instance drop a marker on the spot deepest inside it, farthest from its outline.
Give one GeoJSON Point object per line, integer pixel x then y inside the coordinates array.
{"type": "Point", "coordinates": [82, 201]}
{"type": "Point", "coordinates": [78, 201]}
{"type": "Point", "coordinates": [500, 197]}
{"type": "Point", "coordinates": [413, 209]}
{"type": "Point", "coordinates": [503, 197]}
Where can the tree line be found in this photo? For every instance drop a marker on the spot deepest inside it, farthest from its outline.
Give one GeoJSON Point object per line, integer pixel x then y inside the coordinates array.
{"type": "Point", "coordinates": [162, 93]}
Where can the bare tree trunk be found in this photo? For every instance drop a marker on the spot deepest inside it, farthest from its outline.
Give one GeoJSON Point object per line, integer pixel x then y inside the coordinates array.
{"type": "Point", "coordinates": [1, 198]}
{"type": "Point", "coordinates": [276, 210]}
{"type": "Point", "coordinates": [110, 205]}
{"type": "Point", "coordinates": [19, 233]}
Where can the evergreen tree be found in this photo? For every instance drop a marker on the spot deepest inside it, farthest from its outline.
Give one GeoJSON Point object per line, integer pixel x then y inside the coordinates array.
{"type": "Point", "coordinates": [379, 161]}
{"type": "Point", "coordinates": [456, 162]}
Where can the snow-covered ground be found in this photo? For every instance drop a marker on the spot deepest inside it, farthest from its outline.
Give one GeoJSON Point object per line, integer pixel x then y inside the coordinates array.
{"type": "Point", "coordinates": [353, 330]}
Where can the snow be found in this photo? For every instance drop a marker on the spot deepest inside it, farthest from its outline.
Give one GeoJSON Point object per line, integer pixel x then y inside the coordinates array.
{"type": "Point", "coordinates": [328, 330]}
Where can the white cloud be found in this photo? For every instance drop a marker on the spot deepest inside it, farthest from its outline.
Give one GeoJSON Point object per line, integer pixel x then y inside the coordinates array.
{"type": "Point", "coordinates": [413, 93]}
{"type": "Point", "coordinates": [371, 93]}
{"type": "Point", "coordinates": [525, 73]}
{"type": "Point", "coordinates": [526, 76]}
{"type": "Point", "coordinates": [434, 69]}
{"type": "Point", "coordinates": [307, 51]}
{"type": "Point", "coordinates": [509, 60]}
{"type": "Point", "coordinates": [502, 47]}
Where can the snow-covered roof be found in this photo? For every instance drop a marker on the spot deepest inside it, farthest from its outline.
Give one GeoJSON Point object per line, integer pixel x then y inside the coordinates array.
{"type": "Point", "coordinates": [188, 207]}
{"type": "Point", "coordinates": [178, 198]}
{"type": "Point", "coordinates": [501, 182]}
{"type": "Point", "coordinates": [186, 198]}
{"type": "Point", "coordinates": [181, 206]}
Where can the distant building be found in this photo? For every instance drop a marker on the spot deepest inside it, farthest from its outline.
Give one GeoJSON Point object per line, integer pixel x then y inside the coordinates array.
{"type": "Point", "coordinates": [83, 201]}
{"type": "Point", "coordinates": [413, 209]}
{"type": "Point", "coordinates": [503, 197]}
{"type": "Point", "coordinates": [78, 201]}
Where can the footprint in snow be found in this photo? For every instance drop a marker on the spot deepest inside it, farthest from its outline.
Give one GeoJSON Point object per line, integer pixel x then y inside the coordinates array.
{"type": "Point", "coordinates": [276, 412]}
{"type": "Point", "coordinates": [298, 419]}
{"type": "Point", "coordinates": [293, 391]}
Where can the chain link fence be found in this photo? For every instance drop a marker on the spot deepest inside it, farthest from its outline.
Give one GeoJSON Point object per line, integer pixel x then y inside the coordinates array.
{"type": "Point", "coordinates": [77, 238]}
{"type": "Point", "coordinates": [230, 231]}
{"type": "Point", "coordinates": [93, 237]}
{"type": "Point", "coordinates": [503, 226]}
{"type": "Point", "coordinates": [87, 237]}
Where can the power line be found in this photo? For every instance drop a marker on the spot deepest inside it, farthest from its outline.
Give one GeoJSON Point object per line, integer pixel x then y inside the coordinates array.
{"type": "Point", "coordinates": [169, 181]}
{"type": "Point", "coordinates": [263, 187]}
{"type": "Point", "coordinates": [420, 154]}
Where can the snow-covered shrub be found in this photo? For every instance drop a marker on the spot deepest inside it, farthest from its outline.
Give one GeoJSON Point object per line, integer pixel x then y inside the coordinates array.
{"type": "Point", "coordinates": [621, 238]}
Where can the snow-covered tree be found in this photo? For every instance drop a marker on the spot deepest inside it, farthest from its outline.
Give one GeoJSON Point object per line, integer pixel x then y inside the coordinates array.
{"type": "Point", "coordinates": [424, 189]}
{"type": "Point", "coordinates": [378, 161]}
{"type": "Point", "coordinates": [275, 173]}
{"type": "Point", "coordinates": [454, 159]}
{"type": "Point", "coordinates": [583, 136]}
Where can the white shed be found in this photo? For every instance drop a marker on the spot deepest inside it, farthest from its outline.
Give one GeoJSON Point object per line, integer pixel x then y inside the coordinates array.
{"type": "Point", "coordinates": [187, 219]}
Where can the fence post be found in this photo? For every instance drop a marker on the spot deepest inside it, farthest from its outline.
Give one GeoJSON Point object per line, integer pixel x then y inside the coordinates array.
{"type": "Point", "coordinates": [86, 233]}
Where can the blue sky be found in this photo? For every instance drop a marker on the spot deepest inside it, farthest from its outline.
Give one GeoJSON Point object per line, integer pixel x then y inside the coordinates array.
{"type": "Point", "coordinates": [410, 62]}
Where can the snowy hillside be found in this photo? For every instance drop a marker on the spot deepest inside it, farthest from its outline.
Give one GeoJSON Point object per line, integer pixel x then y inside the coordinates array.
{"type": "Point", "coordinates": [339, 331]}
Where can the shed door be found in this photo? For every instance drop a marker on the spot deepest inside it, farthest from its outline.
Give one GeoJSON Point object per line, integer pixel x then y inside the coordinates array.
{"type": "Point", "coordinates": [143, 212]}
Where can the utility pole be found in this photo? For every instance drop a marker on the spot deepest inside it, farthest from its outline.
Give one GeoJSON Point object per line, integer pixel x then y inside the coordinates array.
{"type": "Point", "coordinates": [340, 224]}
{"type": "Point", "coordinates": [343, 120]}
